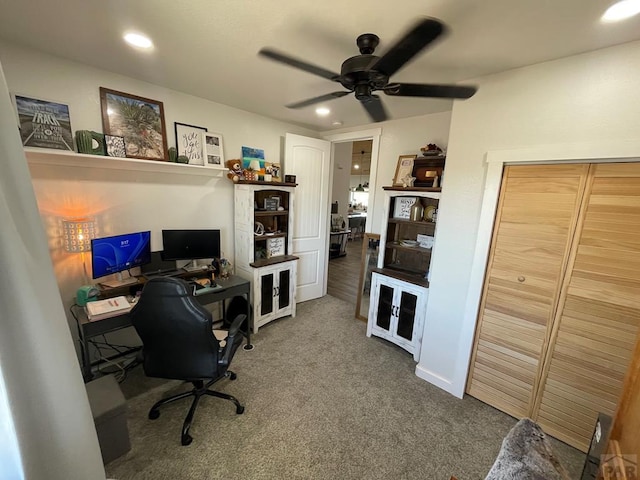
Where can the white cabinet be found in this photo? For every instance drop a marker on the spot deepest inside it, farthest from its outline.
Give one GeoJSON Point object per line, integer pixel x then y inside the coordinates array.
{"type": "Point", "coordinates": [274, 293]}
{"type": "Point", "coordinates": [397, 312]}
{"type": "Point", "coordinates": [263, 219]}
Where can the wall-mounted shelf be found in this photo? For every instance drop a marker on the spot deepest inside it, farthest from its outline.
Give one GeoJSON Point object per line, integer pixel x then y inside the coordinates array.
{"type": "Point", "coordinates": [45, 156]}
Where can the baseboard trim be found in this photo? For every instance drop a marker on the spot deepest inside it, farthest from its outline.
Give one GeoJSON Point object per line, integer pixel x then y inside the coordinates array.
{"type": "Point", "coordinates": [436, 380]}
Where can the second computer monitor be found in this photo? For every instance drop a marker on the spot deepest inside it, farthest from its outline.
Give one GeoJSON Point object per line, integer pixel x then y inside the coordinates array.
{"type": "Point", "coordinates": [190, 244]}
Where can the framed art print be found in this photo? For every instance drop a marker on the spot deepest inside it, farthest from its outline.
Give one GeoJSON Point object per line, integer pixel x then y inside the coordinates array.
{"type": "Point", "coordinates": [44, 123]}
{"type": "Point", "coordinates": [115, 146]}
{"type": "Point", "coordinates": [404, 168]}
{"type": "Point", "coordinates": [139, 120]}
{"type": "Point", "coordinates": [213, 151]}
{"type": "Point", "coordinates": [189, 142]}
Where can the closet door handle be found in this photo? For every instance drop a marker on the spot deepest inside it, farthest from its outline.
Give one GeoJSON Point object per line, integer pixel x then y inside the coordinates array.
{"type": "Point", "coordinates": [521, 279]}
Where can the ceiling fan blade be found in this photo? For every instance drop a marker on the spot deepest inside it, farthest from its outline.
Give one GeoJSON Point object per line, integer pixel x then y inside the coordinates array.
{"type": "Point", "coordinates": [299, 64]}
{"type": "Point", "coordinates": [429, 90]}
{"type": "Point", "coordinates": [321, 98]}
{"type": "Point", "coordinates": [375, 109]}
{"type": "Point", "coordinates": [421, 35]}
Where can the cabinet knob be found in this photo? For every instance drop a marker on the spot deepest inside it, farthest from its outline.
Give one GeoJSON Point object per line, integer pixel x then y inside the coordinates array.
{"type": "Point", "coordinates": [521, 279]}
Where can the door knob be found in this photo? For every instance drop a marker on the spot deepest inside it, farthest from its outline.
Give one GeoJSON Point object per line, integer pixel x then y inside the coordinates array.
{"type": "Point", "coordinates": [521, 279]}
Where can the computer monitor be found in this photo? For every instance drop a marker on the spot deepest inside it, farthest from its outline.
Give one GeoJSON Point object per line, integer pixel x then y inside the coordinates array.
{"type": "Point", "coordinates": [115, 254]}
{"type": "Point", "coordinates": [190, 244]}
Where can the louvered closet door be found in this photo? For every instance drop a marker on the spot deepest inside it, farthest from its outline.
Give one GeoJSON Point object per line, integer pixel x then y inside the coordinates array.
{"type": "Point", "coordinates": [537, 213]}
{"type": "Point", "coordinates": [599, 313]}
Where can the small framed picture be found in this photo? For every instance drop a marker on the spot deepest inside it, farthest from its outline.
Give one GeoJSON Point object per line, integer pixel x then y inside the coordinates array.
{"type": "Point", "coordinates": [44, 123]}
{"type": "Point", "coordinates": [402, 207]}
{"type": "Point", "coordinates": [189, 142]}
{"type": "Point", "coordinates": [213, 151]}
{"type": "Point", "coordinates": [271, 203]}
{"type": "Point", "coordinates": [403, 170]}
{"type": "Point", "coordinates": [115, 146]}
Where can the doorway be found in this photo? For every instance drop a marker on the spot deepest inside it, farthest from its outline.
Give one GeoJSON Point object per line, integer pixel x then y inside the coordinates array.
{"type": "Point", "coordinates": [349, 208]}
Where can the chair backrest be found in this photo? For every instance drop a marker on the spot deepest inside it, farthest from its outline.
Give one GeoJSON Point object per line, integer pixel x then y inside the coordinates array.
{"type": "Point", "coordinates": [176, 332]}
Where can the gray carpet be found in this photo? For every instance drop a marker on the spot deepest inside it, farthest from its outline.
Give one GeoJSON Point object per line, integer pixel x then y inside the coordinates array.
{"type": "Point", "coordinates": [323, 401]}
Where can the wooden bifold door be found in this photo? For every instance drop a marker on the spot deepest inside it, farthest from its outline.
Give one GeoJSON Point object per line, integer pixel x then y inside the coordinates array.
{"type": "Point", "coordinates": [560, 308]}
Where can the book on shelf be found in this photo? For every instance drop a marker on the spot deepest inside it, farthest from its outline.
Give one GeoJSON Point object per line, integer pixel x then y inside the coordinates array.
{"type": "Point", "coordinates": [109, 307]}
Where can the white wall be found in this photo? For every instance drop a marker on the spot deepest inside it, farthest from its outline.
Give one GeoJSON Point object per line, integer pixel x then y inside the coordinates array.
{"type": "Point", "coordinates": [399, 137]}
{"type": "Point", "coordinates": [124, 201]}
{"type": "Point", "coordinates": [577, 100]}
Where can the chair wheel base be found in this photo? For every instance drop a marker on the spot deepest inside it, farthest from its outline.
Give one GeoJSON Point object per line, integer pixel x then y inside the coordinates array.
{"type": "Point", "coordinates": [233, 376]}
{"type": "Point", "coordinates": [239, 410]}
{"type": "Point", "coordinates": [153, 414]}
{"type": "Point", "coordinates": [186, 440]}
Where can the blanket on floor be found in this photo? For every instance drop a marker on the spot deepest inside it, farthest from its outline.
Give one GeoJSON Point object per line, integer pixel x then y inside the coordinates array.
{"type": "Point", "coordinates": [526, 455]}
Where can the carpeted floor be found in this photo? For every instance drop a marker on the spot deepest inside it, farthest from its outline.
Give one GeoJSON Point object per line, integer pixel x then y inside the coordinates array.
{"type": "Point", "coordinates": [322, 401]}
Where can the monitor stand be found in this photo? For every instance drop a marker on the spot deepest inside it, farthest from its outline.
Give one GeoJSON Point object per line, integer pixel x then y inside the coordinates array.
{"type": "Point", "coordinates": [119, 281]}
{"type": "Point", "coordinates": [194, 267]}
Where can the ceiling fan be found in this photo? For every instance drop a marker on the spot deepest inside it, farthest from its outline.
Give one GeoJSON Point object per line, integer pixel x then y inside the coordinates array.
{"type": "Point", "coordinates": [367, 73]}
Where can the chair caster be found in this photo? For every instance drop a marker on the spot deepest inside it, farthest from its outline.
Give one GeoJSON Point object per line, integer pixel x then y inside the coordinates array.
{"type": "Point", "coordinates": [233, 376]}
{"type": "Point", "coordinates": [239, 410]}
{"type": "Point", "coordinates": [153, 414]}
{"type": "Point", "coordinates": [186, 440]}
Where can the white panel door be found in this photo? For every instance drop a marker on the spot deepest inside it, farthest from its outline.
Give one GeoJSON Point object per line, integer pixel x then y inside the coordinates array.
{"type": "Point", "coordinates": [309, 160]}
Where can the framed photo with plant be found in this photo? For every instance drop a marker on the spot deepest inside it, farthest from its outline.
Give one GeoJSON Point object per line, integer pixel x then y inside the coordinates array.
{"type": "Point", "coordinates": [213, 150]}
{"type": "Point", "coordinates": [189, 142]}
{"type": "Point", "coordinates": [139, 120]}
{"type": "Point", "coordinates": [115, 146]}
{"type": "Point", "coordinates": [44, 123]}
{"type": "Point", "coordinates": [403, 170]}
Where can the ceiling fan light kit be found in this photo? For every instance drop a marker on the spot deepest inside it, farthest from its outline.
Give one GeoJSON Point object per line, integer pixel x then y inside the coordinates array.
{"type": "Point", "coordinates": [367, 73]}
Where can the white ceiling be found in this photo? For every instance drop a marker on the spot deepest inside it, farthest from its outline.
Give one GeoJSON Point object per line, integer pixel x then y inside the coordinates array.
{"type": "Point", "coordinates": [209, 48]}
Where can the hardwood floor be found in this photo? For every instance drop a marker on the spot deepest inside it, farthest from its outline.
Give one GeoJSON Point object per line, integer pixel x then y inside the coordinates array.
{"type": "Point", "coordinates": [344, 273]}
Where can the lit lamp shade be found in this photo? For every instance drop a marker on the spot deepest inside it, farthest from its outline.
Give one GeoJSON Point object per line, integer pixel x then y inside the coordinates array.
{"type": "Point", "coordinates": [77, 234]}
{"type": "Point", "coordinates": [254, 165]}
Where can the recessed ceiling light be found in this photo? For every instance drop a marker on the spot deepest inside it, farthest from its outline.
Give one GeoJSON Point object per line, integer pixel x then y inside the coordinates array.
{"type": "Point", "coordinates": [337, 123]}
{"type": "Point", "coordinates": [621, 10]}
{"type": "Point", "coordinates": [356, 166]}
{"type": "Point", "coordinates": [323, 111]}
{"type": "Point", "coordinates": [138, 40]}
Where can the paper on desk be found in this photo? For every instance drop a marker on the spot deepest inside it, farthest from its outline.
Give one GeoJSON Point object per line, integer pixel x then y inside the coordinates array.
{"type": "Point", "coordinates": [107, 308]}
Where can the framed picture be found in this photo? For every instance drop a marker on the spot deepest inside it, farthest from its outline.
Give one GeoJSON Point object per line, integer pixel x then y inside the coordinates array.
{"type": "Point", "coordinates": [403, 169]}
{"type": "Point", "coordinates": [44, 123]}
{"type": "Point", "coordinates": [189, 142]}
{"type": "Point", "coordinates": [402, 207]}
{"type": "Point", "coordinates": [115, 146]}
{"type": "Point", "coordinates": [271, 203]}
{"type": "Point", "coordinates": [253, 158]}
{"type": "Point", "coordinates": [139, 120]}
{"type": "Point", "coordinates": [213, 150]}
{"type": "Point", "coordinates": [275, 247]}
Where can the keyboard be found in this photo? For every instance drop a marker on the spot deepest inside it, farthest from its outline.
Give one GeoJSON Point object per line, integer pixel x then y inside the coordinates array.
{"type": "Point", "coordinates": [166, 273]}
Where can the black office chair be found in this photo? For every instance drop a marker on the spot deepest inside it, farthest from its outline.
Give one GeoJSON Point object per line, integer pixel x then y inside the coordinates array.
{"type": "Point", "coordinates": [178, 343]}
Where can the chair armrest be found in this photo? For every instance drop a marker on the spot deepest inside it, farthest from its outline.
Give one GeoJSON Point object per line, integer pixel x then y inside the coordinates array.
{"type": "Point", "coordinates": [234, 338]}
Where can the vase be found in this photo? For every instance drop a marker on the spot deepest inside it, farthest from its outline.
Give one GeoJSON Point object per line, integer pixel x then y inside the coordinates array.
{"type": "Point", "coordinates": [416, 211]}
{"type": "Point", "coordinates": [84, 141]}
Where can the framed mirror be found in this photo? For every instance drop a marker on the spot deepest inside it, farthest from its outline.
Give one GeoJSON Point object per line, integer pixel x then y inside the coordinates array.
{"type": "Point", "coordinates": [369, 260]}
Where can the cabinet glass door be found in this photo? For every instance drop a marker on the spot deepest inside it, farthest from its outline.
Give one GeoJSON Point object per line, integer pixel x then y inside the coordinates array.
{"type": "Point", "coordinates": [266, 294]}
{"type": "Point", "coordinates": [283, 289]}
{"type": "Point", "coordinates": [385, 307]}
{"type": "Point", "coordinates": [407, 315]}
